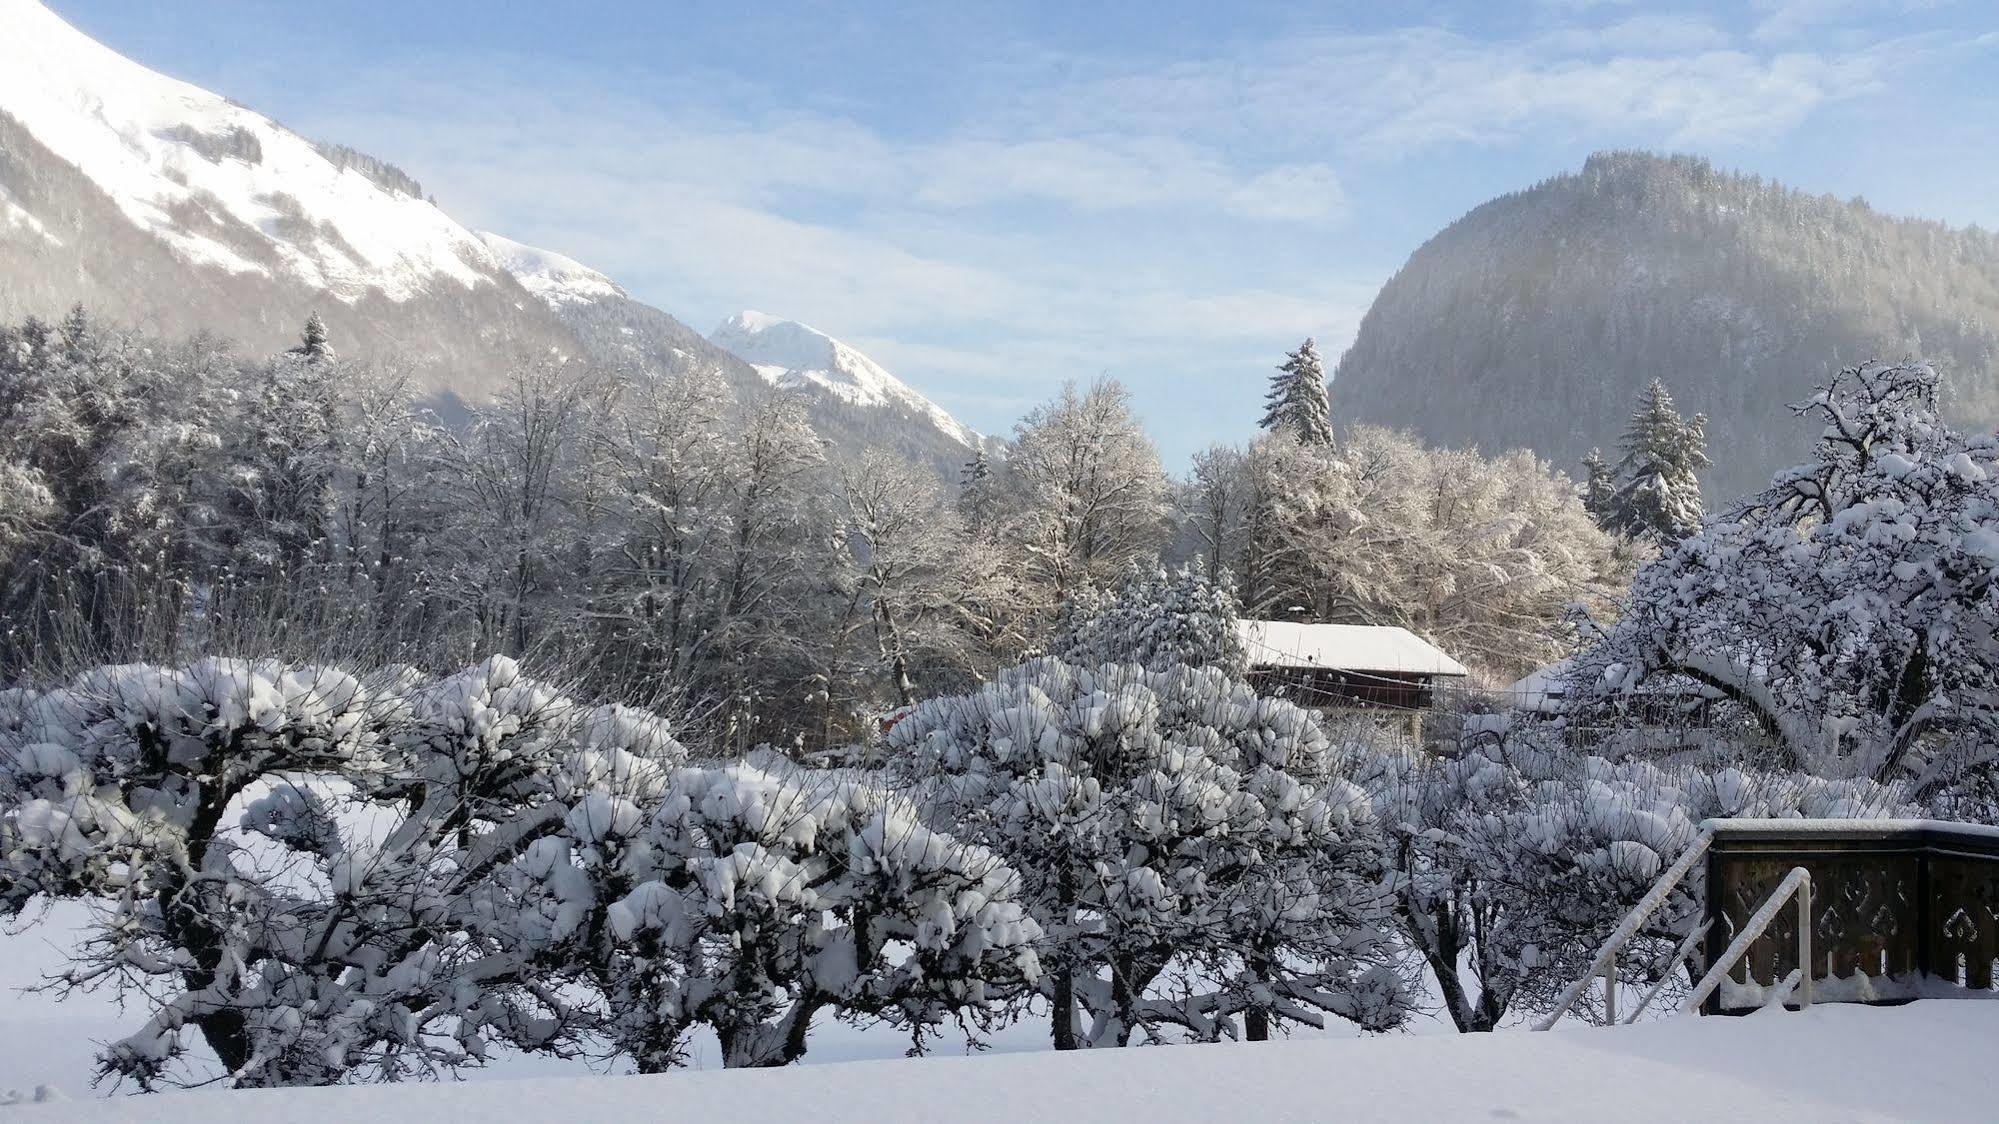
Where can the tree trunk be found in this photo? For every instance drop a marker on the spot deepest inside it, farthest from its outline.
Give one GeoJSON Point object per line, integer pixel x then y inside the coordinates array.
{"type": "Point", "coordinates": [1256, 1020]}
{"type": "Point", "coordinates": [1453, 989]}
{"type": "Point", "coordinates": [1063, 1012]}
{"type": "Point", "coordinates": [223, 1030]}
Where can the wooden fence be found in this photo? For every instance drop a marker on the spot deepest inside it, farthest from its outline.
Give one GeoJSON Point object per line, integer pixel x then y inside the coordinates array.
{"type": "Point", "coordinates": [1901, 909]}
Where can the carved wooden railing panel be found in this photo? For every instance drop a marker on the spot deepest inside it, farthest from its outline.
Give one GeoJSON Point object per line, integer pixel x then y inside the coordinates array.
{"type": "Point", "coordinates": [1964, 935]}
{"type": "Point", "coordinates": [1900, 908]}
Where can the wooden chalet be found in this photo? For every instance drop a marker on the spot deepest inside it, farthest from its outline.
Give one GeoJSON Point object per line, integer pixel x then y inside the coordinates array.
{"type": "Point", "coordinates": [1347, 666]}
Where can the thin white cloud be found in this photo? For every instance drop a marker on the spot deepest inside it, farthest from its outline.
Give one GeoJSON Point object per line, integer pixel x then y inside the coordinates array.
{"type": "Point", "coordinates": [915, 246]}
{"type": "Point", "coordinates": [1787, 20]}
{"type": "Point", "coordinates": [1426, 87]}
{"type": "Point", "coordinates": [1111, 172]}
{"type": "Point", "coordinates": [1295, 192]}
{"type": "Point", "coordinates": [1647, 33]}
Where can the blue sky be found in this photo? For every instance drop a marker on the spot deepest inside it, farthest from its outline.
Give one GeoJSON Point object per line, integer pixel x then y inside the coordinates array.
{"type": "Point", "coordinates": [993, 199]}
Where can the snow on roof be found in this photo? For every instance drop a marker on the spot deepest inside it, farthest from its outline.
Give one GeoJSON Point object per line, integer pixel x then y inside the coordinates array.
{"type": "Point", "coordinates": [1344, 647]}
{"type": "Point", "coordinates": [1538, 689]}
{"type": "Point", "coordinates": [1543, 689]}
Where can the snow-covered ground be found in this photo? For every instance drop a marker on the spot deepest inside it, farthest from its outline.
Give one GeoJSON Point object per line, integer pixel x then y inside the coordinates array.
{"type": "Point", "coordinates": [1927, 1061]}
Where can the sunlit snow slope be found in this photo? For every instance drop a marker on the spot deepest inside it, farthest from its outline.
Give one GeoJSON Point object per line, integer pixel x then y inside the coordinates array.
{"type": "Point", "coordinates": [789, 353]}
{"type": "Point", "coordinates": [223, 185]}
{"type": "Point", "coordinates": [548, 275]}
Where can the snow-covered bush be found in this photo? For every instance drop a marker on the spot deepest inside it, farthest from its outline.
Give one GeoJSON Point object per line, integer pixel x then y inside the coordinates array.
{"type": "Point", "coordinates": [1850, 607]}
{"type": "Point", "coordinates": [329, 876]}
{"type": "Point", "coordinates": [119, 788]}
{"type": "Point", "coordinates": [750, 903]}
{"type": "Point", "coordinates": [1187, 847]}
{"type": "Point", "coordinates": [1514, 862]}
{"type": "Point", "coordinates": [1156, 619]}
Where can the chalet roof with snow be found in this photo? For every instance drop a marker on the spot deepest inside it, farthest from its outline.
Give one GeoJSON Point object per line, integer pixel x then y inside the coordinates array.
{"type": "Point", "coordinates": [1344, 647]}
{"type": "Point", "coordinates": [1540, 690]}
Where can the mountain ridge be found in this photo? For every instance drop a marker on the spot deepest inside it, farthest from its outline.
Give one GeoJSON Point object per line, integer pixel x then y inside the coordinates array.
{"type": "Point", "coordinates": [165, 206]}
{"type": "Point", "coordinates": [1537, 318]}
{"type": "Point", "coordinates": [790, 354]}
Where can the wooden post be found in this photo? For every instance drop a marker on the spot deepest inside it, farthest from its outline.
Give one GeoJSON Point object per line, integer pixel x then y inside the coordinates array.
{"type": "Point", "coordinates": [1610, 992]}
{"type": "Point", "coordinates": [1805, 944]}
{"type": "Point", "coordinates": [1717, 937]}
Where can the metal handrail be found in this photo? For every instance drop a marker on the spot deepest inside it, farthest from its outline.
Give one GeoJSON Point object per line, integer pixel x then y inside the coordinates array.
{"type": "Point", "coordinates": [1668, 967]}
{"type": "Point", "coordinates": [1798, 882]}
{"type": "Point", "coordinates": [1605, 964]}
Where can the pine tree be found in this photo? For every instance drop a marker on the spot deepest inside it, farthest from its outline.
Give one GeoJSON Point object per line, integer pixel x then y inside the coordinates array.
{"type": "Point", "coordinates": [1298, 402]}
{"type": "Point", "coordinates": [1598, 486]}
{"type": "Point", "coordinates": [75, 329]}
{"type": "Point", "coordinates": [288, 456]}
{"type": "Point", "coordinates": [1156, 619]}
{"type": "Point", "coordinates": [313, 345]}
{"type": "Point", "coordinates": [978, 504]}
{"type": "Point", "coordinates": [1656, 491]}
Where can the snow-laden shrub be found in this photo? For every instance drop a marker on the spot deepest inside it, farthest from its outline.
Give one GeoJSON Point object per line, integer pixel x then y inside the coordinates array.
{"type": "Point", "coordinates": [120, 787]}
{"type": "Point", "coordinates": [1187, 846]}
{"type": "Point", "coordinates": [1514, 862]}
{"type": "Point", "coordinates": [327, 876]}
{"type": "Point", "coordinates": [750, 903]}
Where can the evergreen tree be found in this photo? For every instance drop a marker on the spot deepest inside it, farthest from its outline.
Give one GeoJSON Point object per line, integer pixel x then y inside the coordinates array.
{"type": "Point", "coordinates": [1598, 486]}
{"type": "Point", "coordinates": [287, 459]}
{"type": "Point", "coordinates": [1298, 403]}
{"type": "Point", "coordinates": [1156, 619]}
{"type": "Point", "coordinates": [75, 329]}
{"type": "Point", "coordinates": [978, 502]}
{"type": "Point", "coordinates": [313, 345]}
{"type": "Point", "coordinates": [1656, 492]}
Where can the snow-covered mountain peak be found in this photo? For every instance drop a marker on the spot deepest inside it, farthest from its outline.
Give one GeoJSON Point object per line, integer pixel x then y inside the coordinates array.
{"type": "Point", "coordinates": [224, 186]}
{"type": "Point", "coordinates": [764, 340]}
{"type": "Point", "coordinates": [552, 277]}
{"type": "Point", "coordinates": [788, 353]}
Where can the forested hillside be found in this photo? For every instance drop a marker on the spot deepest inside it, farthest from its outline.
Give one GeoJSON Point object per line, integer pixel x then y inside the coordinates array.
{"type": "Point", "coordinates": [1538, 318]}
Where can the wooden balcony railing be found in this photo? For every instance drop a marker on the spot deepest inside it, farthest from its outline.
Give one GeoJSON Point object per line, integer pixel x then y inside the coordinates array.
{"type": "Point", "coordinates": [1901, 909]}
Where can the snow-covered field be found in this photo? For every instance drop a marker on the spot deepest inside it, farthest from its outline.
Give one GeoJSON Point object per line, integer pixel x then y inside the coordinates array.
{"type": "Point", "coordinates": [1927, 1061]}
{"type": "Point", "coordinates": [46, 1042]}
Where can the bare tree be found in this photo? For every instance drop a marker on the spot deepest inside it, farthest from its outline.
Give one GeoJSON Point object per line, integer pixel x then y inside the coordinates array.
{"type": "Point", "coordinates": [1086, 492]}
{"type": "Point", "coordinates": [516, 508]}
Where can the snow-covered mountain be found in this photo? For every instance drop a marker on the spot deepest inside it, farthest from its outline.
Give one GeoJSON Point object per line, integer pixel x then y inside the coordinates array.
{"type": "Point", "coordinates": [1538, 318]}
{"type": "Point", "coordinates": [159, 204]}
{"type": "Point", "coordinates": [548, 275]}
{"type": "Point", "coordinates": [223, 186]}
{"type": "Point", "coordinates": [791, 354]}
{"type": "Point", "coordinates": [854, 404]}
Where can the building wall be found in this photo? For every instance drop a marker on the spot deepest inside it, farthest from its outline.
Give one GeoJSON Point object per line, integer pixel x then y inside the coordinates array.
{"type": "Point", "coordinates": [1323, 688]}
